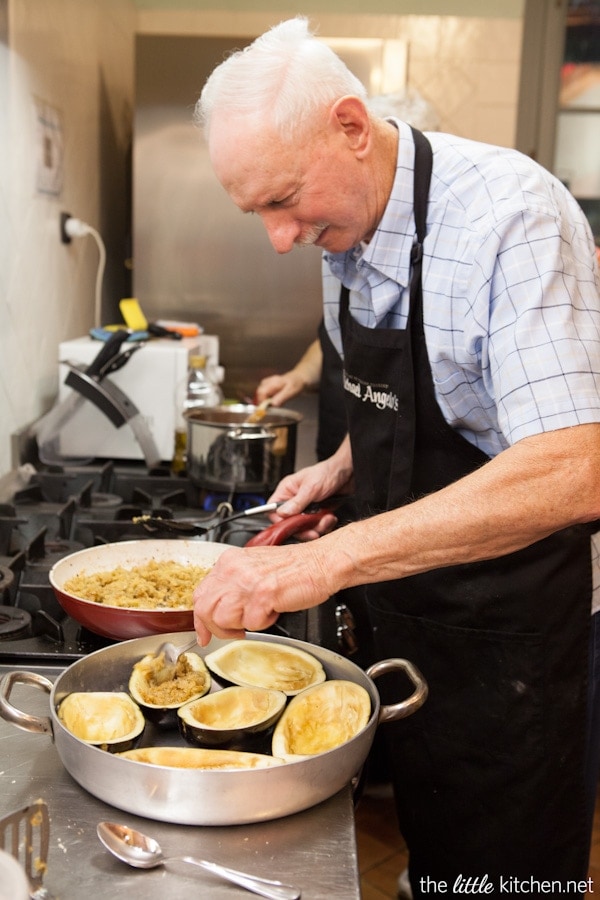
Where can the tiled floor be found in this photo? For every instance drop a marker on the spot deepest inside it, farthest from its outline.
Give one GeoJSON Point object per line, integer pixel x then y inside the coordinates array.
{"type": "Point", "coordinates": [382, 853]}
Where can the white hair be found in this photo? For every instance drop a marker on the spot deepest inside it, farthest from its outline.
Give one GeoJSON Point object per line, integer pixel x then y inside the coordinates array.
{"type": "Point", "coordinates": [286, 76]}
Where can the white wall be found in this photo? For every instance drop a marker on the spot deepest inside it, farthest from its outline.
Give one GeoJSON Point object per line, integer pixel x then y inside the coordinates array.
{"type": "Point", "coordinates": [76, 57]}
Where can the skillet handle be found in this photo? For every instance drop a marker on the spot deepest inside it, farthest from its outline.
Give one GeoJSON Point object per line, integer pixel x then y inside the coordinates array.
{"type": "Point", "coordinates": [406, 707]}
{"type": "Point", "coordinates": [278, 532]}
{"type": "Point", "coordinates": [36, 724]}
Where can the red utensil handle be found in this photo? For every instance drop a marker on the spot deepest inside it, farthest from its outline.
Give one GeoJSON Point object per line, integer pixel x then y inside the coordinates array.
{"type": "Point", "coordinates": [278, 532]}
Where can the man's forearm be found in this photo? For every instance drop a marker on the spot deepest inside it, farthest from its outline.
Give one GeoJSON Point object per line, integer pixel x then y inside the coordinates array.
{"type": "Point", "coordinates": [537, 487]}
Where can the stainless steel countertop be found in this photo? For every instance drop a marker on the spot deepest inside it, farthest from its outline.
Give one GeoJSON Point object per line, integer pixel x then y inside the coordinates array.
{"type": "Point", "coordinates": [314, 850]}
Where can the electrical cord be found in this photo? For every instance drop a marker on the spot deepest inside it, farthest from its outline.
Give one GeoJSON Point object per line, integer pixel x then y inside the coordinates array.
{"type": "Point", "coordinates": [76, 228]}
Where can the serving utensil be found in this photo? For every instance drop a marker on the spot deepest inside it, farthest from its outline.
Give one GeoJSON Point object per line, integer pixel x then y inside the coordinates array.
{"type": "Point", "coordinates": [142, 852]}
{"type": "Point", "coordinates": [259, 413]}
{"type": "Point", "coordinates": [154, 524]}
{"type": "Point", "coordinates": [25, 834]}
{"type": "Point", "coordinates": [171, 655]}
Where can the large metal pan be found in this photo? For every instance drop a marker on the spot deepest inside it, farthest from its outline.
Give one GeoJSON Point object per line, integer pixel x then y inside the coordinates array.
{"type": "Point", "coordinates": [121, 623]}
{"type": "Point", "coordinates": [194, 797]}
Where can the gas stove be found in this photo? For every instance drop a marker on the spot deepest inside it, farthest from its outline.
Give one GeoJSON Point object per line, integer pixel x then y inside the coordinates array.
{"type": "Point", "coordinates": [62, 510]}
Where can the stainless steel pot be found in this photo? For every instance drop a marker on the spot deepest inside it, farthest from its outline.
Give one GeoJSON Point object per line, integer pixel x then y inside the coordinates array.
{"type": "Point", "coordinates": [195, 797]}
{"type": "Point", "coordinates": [227, 453]}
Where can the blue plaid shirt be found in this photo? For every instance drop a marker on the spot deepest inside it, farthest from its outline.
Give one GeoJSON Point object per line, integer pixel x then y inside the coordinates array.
{"type": "Point", "coordinates": [511, 293]}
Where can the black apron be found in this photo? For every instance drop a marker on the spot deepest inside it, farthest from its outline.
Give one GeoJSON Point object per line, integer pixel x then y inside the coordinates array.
{"type": "Point", "coordinates": [332, 422]}
{"type": "Point", "coordinates": [488, 774]}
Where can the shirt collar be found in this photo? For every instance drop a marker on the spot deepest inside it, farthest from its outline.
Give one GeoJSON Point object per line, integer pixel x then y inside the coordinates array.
{"type": "Point", "coordinates": [389, 255]}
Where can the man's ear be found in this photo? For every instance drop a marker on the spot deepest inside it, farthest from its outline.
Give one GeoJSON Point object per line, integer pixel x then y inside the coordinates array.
{"type": "Point", "coordinates": [349, 114]}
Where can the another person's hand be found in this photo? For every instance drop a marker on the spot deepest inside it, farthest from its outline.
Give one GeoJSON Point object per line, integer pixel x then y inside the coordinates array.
{"type": "Point", "coordinates": [305, 374]}
{"type": "Point", "coordinates": [280, 388]}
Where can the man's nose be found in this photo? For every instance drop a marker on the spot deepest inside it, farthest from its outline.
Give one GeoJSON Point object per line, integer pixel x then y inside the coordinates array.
{"type": "Point", "coordinates": [282, 230]}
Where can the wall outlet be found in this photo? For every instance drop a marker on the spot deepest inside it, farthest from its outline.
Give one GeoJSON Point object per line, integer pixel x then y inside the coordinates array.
{"type": "Point", "coordinates": [65, 238]}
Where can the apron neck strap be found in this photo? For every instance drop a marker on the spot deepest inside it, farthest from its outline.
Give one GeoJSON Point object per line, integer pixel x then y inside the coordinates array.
{"type": "Point", "coordinates": [422, 179]}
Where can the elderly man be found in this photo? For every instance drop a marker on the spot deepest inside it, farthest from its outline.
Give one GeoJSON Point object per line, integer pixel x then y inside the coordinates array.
{"type": "Point", "coordinates": [461, 289]}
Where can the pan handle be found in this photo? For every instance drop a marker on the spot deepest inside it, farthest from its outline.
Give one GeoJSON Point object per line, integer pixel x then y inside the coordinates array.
{"type": "Point", "coordinates": [277, 533]}
{"type": "Point", "coordinates": [407, 707]}
{"type": "Point", "coordinates": [36, 724]}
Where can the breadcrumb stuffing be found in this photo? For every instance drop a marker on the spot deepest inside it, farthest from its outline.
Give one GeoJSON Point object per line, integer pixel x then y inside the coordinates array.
{"type": "Point", "coordinates": [154, 585]}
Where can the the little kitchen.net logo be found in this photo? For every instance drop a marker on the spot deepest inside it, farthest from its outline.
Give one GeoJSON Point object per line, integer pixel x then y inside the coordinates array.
{"type": "Point", "coordinates": [505, 884]}
{"type": "Point", "coordinates": [377, 394]}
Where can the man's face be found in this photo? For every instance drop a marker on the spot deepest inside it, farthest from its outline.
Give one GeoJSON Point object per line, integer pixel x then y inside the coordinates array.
{"type": "Point", "coordinates": [315, 192]}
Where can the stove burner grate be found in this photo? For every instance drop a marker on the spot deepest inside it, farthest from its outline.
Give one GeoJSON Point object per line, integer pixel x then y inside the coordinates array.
{"type": "Point", "coordinates": [14, 623]}
{"type": "Point", "coordinates": [6, 580]}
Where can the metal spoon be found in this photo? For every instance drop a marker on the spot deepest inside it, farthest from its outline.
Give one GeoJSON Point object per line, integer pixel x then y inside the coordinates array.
{"type": "Point", "coordinates": [143, 852]}
{"type": "Point", "coordinates": [171, 654]}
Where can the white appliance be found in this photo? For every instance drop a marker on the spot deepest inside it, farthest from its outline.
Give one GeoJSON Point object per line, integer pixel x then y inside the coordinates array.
{"type": "Point", "coordinates": [152, 379]}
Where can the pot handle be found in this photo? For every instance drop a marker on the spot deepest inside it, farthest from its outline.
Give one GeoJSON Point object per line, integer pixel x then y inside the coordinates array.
{"type": "Point", "coordinates": [407, 707]}
{"type": "Point", "coordinates": [36, 724]}
{"type": "Point", "coordinates": [277, 533]}
{"type": "Point", "coordinates": [238, 434]}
